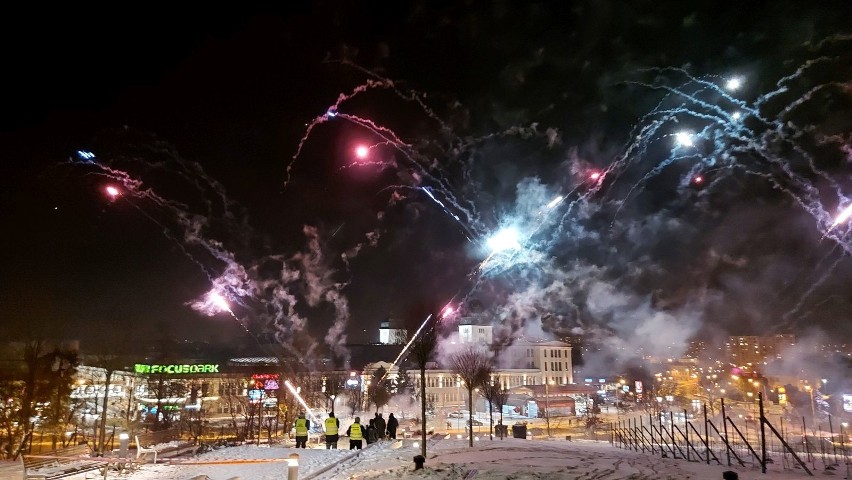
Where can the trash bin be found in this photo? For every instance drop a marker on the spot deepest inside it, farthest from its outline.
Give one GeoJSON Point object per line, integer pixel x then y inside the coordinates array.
{"type": "Point", "coordinates": [501, 430]}
{"type": "Point", "coordinates": [519, 430]}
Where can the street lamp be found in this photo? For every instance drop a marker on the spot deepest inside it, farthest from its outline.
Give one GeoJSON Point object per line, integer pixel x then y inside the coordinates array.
{"type": "Point", "coordinates": [547, 406]}
{"type": "Point", "coordinates": [813, 406]}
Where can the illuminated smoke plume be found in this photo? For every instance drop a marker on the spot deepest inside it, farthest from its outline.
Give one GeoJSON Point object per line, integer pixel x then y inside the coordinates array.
{"type": "Point", "coordinates": [620, 246]}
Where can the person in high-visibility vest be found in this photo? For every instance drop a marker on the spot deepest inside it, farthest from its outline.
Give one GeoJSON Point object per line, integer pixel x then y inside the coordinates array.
{"type": "Point", "coordinates": [332, 425]}
{"type": "Point", "coordinates": [356, 435]}
{"type": "Point", "coordinates": [302, 425]}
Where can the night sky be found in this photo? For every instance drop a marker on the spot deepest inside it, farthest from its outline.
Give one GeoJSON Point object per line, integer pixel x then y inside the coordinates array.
{"type": "Point", "coordinates": [232, 139]}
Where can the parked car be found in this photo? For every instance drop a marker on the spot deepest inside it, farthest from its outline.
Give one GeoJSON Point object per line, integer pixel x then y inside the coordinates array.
{"type": "Point", "coordinates": [476, 423]}
{"type": "Point", "coordinates": [455, 415]}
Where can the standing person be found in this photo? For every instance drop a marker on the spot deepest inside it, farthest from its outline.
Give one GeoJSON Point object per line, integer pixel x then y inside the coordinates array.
{"type": "Point", "coordinates": [371, 432]}
{"type": "Point", "coordinates": [355, 434]}
{"type": "Point", "coordinates": [332, 426]}
{"type": "Point", "coordinates": [381, 426]}
{"type": "Point", "coordinates": [393, 424]}
{"type": "Point", "coordinates": [302, 425]}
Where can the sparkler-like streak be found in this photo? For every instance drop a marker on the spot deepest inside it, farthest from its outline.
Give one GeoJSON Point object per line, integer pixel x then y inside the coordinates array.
{"type": "Point", "coordinates": [841, 218]}
{"type": "Point", "coordinates": [301, 401]}
{"type": "Point", "coordinates": [219, 302]}
{"type": "Point", "coordinates": [407, 345]}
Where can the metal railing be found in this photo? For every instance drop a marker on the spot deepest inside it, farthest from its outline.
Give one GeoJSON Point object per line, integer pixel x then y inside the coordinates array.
{"type": "Point", "coordinates": [720, 439]}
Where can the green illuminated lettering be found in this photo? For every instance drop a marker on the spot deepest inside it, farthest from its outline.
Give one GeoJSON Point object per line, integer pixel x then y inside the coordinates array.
{"type": "Point", "coordinates": [142, 368]}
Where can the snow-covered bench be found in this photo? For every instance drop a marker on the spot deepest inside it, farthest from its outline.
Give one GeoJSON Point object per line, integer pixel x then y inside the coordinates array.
{"type": "Point", "coordinates": [163, 443]}
{"type": "Point", "coordinates": [60, 463]}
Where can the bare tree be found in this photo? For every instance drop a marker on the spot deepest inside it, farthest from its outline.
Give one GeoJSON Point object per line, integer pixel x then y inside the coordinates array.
{"type": "Point", "coordinates": [473, 366]}
{"type": "Point", "coordinates": [495, 394]}
{"type": "Point", "coordinates": [378, 392]}
{"type": "Point", "coordinates": [501, 398]}
{"type": "Point", "coordinates": [354, 399]}
{"type": "Point", "coordinates": [333, 384]}
{"type": "Point", "coordinates": [422, 350]}
{"type": "Point", "coordinates": [110, 364]}
{"type": "Point", "coordinates": [35, 390]}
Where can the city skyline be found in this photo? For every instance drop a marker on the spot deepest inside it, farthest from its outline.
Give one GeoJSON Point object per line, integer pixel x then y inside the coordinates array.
{"type": "Point", "coordinates": [312, 172]}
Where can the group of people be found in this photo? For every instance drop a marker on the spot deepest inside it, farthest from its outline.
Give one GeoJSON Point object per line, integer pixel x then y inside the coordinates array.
{"type": "Point", "coordinates": [376, 430]}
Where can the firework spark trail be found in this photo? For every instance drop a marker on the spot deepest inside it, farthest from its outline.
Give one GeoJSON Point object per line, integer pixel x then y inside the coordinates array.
{"type": "Point", "coordinates": [215, 300]}
{"type": "Point", "coordinates": [407, 345]}
{"type": "Point", "coordinates": [730, 131]}
{"type": "Point", "coordinates": [330, 113]}
{"type": "Point", "coordinates": [432, 173]}
{"type": "Point", "coordinates": [506, 245]}
{"type": "Point", "coordinates": [230, 278]}
{"type": "Point", "coordinates": [732, 135]}
{"type": "Point", "coordinates": [304, 405]}
{"type": "Point", "coordinates": [813, 287]}
{"type": "Point", "coordinates": [132, 190]}
{"type": "Point", "coordinates": [411, 95]}
{"type": "Point", "coordinates": [439, 186]}
{"type": "Point", "coordinates": [732, 142]}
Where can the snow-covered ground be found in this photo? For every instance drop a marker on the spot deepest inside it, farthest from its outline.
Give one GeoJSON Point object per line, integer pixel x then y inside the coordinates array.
{"type": "Point", "coordinates": [448, 459]}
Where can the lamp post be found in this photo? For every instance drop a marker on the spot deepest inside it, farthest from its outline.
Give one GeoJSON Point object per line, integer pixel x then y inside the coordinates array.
{"type": "Point", "coordinates": [547, 406]}
{"type": "Point", "coordinates": [810, 390]}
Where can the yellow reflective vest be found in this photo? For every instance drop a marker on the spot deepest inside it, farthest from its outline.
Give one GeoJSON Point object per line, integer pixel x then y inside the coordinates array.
{"type": "Point", "coordinates": [331, 426]}
{"type": "Point", "coordinates": [355, 432]}
{"type": "Point", "coordinates": [301, 427]}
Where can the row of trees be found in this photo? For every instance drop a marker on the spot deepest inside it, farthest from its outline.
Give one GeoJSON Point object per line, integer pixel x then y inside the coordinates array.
{"type": "Point", "coordinates": [473, 365]}
{"type": "Point", "coordinates": [35, 389]}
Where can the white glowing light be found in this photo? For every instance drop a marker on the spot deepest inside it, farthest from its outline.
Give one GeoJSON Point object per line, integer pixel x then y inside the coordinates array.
{"type": "Point", "coordinates": [734, 83]}
{"type": "Point", "coordinates": [415, 444]}
{"type": "Point", "coordinates": [296, 393]}
{"type": "Point", "coordinates": [331, 113]}
{"type": "Point", "coordinates": [684, 139]}
{"type": "Point", "coordinates": [410, 341]}
{"type": "Point", "coordinates": [506, 239]}
{"type": "Point", "coordinates": [448, 310]}
{"type": "Point", "coordinates": [698, 179]}
{"type": "Point", "coordinates": [112, 191]}
{"type": "Point", "coordinates": [361, 152]}
{"type": "Point", "coordinates": [843, 216]}
{"type": "Point", "coordinates": [219, 301]}
{"type": "Point", "coordinates": [554, 202]}
{"type": "Point", "coordinates": [736, 115]}
{"type": "Point", "coordinates": [595, 175]}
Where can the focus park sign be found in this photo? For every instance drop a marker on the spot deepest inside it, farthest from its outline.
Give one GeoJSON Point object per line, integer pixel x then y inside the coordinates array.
{"type": "Point", "coordinates": [142, 368]}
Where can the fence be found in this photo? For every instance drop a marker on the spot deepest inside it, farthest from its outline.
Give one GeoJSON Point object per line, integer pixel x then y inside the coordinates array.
{"type": "Point", "coordinates": [756, 442]}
